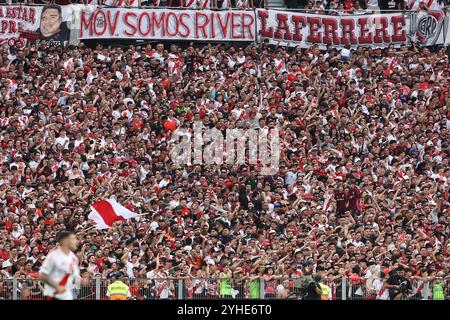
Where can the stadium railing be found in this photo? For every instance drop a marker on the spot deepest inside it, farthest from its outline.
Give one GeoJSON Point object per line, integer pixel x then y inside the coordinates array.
{"type": "Point", "coordinates": [206, 289]}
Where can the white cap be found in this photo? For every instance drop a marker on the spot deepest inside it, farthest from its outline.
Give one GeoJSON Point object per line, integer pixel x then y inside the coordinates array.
{"type": "Point", "coordinates": [6, 264]}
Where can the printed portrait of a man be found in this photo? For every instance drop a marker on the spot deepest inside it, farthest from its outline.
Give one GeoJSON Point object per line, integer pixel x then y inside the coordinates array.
{"type": "Point", "coordinates": [52, 28]}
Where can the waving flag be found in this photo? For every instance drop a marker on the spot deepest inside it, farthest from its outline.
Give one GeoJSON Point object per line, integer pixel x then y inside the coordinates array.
{"type": "Point", "coordinates": [68, 65]}
{"type": "Point", "coordinates": [391, 66]}
{"type": "Point", "coordinates": [280, 65]}
{"type": "Point", "coordinates": [327, 202]}
{"type": "Point", "coordinates": [106, 212]}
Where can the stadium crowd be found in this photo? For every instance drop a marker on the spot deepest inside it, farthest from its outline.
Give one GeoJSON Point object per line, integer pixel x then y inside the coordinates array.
{"type": "Point", "coordinates": [362, 188]}
{"type": "Point", "coordinates": [192, 4]}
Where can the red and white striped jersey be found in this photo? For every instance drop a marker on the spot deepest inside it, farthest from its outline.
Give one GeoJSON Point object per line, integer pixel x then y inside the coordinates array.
{"type": "Point", "coordinates": [62, 269]}
{"type": "Point", "coordinates": [431, 4]}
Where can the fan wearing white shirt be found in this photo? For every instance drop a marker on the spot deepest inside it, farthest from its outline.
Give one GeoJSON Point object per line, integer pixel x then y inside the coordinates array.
{"type": "Point", "coordinates": [62, 139]}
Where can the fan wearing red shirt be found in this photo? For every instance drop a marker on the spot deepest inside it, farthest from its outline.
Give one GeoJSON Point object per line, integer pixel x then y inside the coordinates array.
{"type": "Point", "coordinates": [354, 196]}
{"type": "Point", "coordinates": [348, 5]}
{"type": "Point", "coordinates": [166, 82]}
{"type": "Point", "coordinates": [3, 254]}
{"type": "Point", "coordinates": [169, 125]}
{"type": "Point", "coordinates": [137, 123]}
{"type": "Point", "coordinates": [341, 200]}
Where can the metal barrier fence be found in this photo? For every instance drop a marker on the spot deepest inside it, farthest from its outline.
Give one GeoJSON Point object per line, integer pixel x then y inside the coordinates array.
{"type": "Point", "coordinates": [245, 288]}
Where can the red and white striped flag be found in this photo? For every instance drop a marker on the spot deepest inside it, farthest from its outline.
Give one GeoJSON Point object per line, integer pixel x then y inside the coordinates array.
{"type": "Point", "coordinates": [335, 112]}
{"type": "Point", "coordinates": [280, 65]}
{"type": "Point", "coordinates": [174, 66]}
{"type": "Point", "coordinates": [106, 212]}
{"type": "Point", "coordinates": [327, 202]}
{"type": "Point", "coordinates": [391, 66]}
{"type": "Point", "coordinates": [127, 3]}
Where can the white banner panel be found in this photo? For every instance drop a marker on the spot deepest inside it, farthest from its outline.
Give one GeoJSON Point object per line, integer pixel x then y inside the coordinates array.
{"type": "Point", "coordinates": [426, 28]}
{"type": "Point", "coordinates": [52, 23]}
{"type": "Point", "coordinates": [304, 30]}
{"type": "Point", "coordinates": [204, 25]}
{"type": "Point", "coordinates": [49, 23]}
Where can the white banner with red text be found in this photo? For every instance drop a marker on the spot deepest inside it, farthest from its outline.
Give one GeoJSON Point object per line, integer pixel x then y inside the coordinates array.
{"type": "Point", "coordinates": [173, 24]}
{"type": "Point", "coordinates": [303, 29]}
{"type": "Point", "coordinates": [54, 23]}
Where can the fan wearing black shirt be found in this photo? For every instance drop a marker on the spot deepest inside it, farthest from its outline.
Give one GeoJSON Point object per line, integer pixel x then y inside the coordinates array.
{"type": "Point", "coordinates": [20, 59]}
{"type": "Point", "coordinates": [398, 285]}
{"type": "Point", "coordinates": [189, 60]}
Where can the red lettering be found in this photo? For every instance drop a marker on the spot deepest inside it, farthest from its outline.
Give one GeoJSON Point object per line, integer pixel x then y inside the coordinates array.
{"type": "Point", "coordinates": [234, 25]}
{"type": "Point", "coordinates": [32, 15]}
{"type": "Point", "coordinates": [381, 34]}
{"type": "Point", "coordinates": [184, 25]}
{"type": "Point", "coordinates": [330, 35]}
{"type": "Point", "coordinates": [282, 25]}
{"type": "Point", "coordinates": [158, 23]}
{"type": "Point", "coordinates": [264, 32]}
{"type": "Point", "coordinates": [248, 26]}
{"type": "Point", "coordinates": [348, 27]}
{"type": "Point", "coordinates": [113, 24]}
{"type": "Point", "coordinates": [213, 32]}
{"type": "Point", "coordinates": [364, 36]}
{"type": "Point", "coordinates": [140, 23]}
{"type": "Point", "coordinates": [175, 24]}
{"type": "Point", "coordinates": [314, 35]}
{"type": "Point", "coordinates": [86, 24]}
{"type": "Point", "coordinates": [399, 34]}
{"type": "Point", "coordinates": [4, 26]}
{"type": "Point", "coordinates": [201, 26]}
{"type": "Point", "coordinates": [9, 13]}
{"type": "Point", "coordinates": [104, 24]}
{"type": "Point", "coordinates": [223, 27]}
{"type": "Point", "coordinates": [23, 14]}
{"type": "Point", "coordinates": [299, 22]}
{"type": "Point", "coordinates": [132, 26]}
{"type": "Point", "coordinates": [12, 27]}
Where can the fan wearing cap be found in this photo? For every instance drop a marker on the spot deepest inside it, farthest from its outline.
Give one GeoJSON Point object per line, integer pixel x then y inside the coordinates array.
{"type": "Point", "coordinates": [60, 268]}
{"type": "Point", "coordinates": [6, 269]}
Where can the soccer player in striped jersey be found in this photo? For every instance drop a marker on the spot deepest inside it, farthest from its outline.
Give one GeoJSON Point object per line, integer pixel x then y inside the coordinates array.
{"type": "Point", "coordinates": [60, 269]}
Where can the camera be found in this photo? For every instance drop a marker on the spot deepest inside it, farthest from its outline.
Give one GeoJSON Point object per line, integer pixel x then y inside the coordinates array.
{"type": "Point", "coordinates": [304, 282]}
{"type": "Point", "coordinates": [403, 288]}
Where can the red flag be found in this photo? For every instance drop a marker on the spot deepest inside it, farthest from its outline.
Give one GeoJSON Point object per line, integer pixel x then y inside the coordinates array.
{"type": "Point", "coordinates": [388, 71]}
{"type": "Point", "coordinates": [106, 212]}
